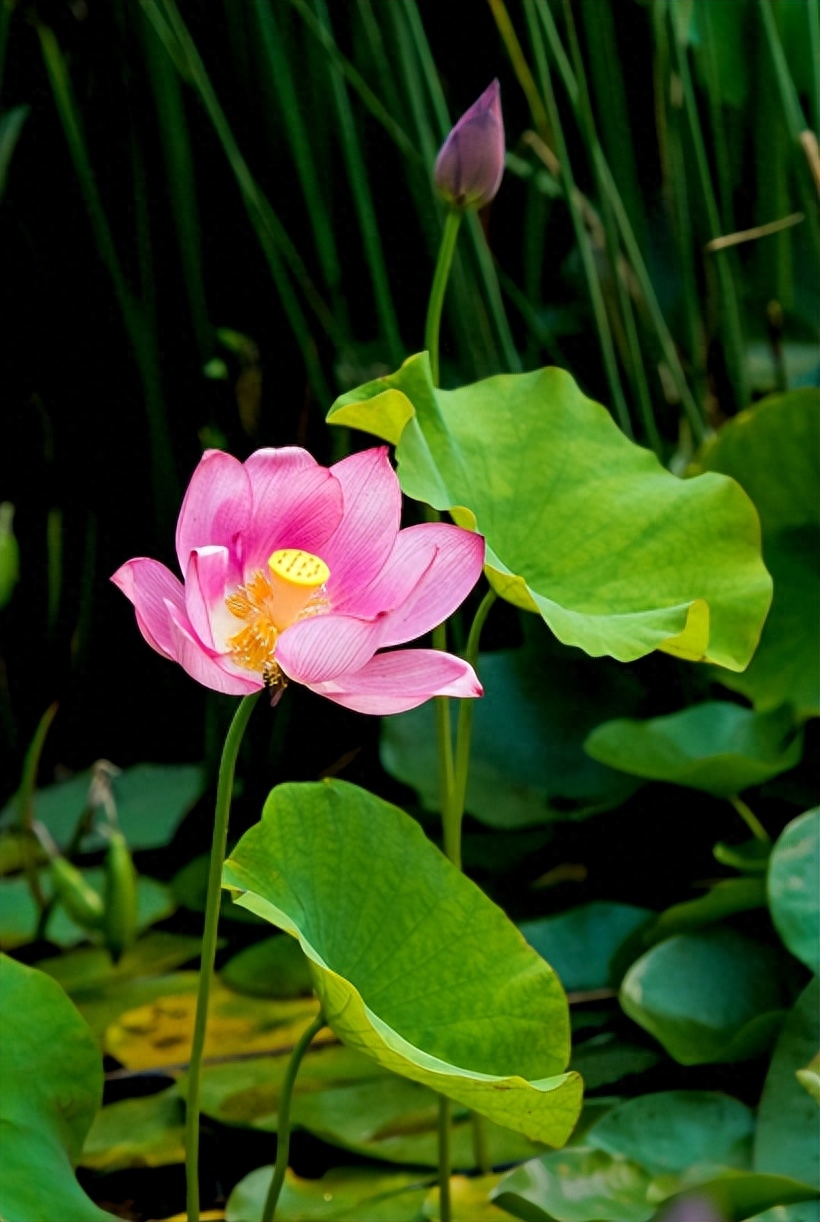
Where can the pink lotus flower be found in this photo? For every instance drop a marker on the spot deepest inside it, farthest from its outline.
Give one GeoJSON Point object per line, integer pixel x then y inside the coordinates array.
{"type": "Point", "coordinates": [470, 164]}
{"type": "Point", "coordinates": [296, 571]}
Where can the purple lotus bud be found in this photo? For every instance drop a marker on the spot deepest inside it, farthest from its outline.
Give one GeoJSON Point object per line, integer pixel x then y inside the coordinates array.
{"type": "Point", "coordinates": [470, 164]}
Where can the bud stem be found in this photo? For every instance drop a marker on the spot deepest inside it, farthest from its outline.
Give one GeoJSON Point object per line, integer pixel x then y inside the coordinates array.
{"type": "Point", "coordinates": [206, 971]}
{"type": "Point", "coordinates": [440, 278]}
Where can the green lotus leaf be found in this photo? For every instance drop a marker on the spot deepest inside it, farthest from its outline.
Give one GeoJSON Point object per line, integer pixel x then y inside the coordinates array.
{"type": "Point", "coordinates": [773, 451]}
{"type": "Point", "coordinates": [51, 1071]}
{"type": "Point", "coordinates": [605, 1059]}
{"type": "Point", "coordinates": [344, 1193]}
{"type": "Point", "coordinates": [582, 525]}
{"type": "Point", "coordinates": [674, 1130]}
{"type": "Point", "coordinates": [527, 764]}
{"type": "Point", "coordinates": [101, 1005]}
{"type": "Point", "coordinates": [91, 967]}
{"type": "Point", "coordinates": [348, 1100]}
{"type": "Point", "coordinates": [726, 898]}
{"type": "Point", "coordinates": [707, 996]}
{"type": "Point", "coordinates": [717, 747]}
{"type": "Point", "coordinates": [577, 1185]}
{"type": "Point", "coordinates": [152, 800]}
{"type": "Point", "coordinates": [584, 944]}
{"type": "Point", "coordinates": [413, 965]}
{"type": "Point", "coordinates": [794, 887]}
{"type": "Point", "coordinates": [786, 1138]}
{"type": "Point", "coordinates": [147, 1132]}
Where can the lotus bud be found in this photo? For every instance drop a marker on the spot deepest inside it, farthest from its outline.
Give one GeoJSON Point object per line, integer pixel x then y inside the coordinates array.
{"type": "Point", "coordinates": [470, 164]}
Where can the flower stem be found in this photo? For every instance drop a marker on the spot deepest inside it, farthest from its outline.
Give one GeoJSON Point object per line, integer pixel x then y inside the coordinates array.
{"type": "Point", "coordinates": [220, 836]}
{"type": "Point", "coordinates": [440, 278]}
{"type": "Point", "coordinates": [750, 819]}
{"type": "Point", "coordinates": [25, 802]}
{"type": "Point", "coordinates": [481, 1152]}
{"type": "Point", "coordinates": [283, 1116]}
{"type": "Point", "coordinates": [444, 1159]}
{"type": "Point", "coordinates": [464, 734]}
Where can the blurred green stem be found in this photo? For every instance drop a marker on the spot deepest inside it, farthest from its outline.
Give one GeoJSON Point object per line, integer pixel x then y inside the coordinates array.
{"type": "Point", "coordinates": [282, 256]}
{"type": "Point", "coordinates": [732, 329]}
{"type": "Point", "coordinates": [223, 806]}
{"type": "Point", "coordinates": [464, 734]}
{"type": "Point", "coordinates": [54, 553]}
{"type": "Point", "coordinates": [635, 368]}
{"type": "Point", "coordinates": [750, 819]}
{"type": "Point", "coordinates": [164, 487]}
{"type": "Point", "coordinates": [362, 200]}
{"type": "Point", "coordinates": [630, 242]}
{"type": "Point", "coordinates": [283, 1116]}
{"type": "Point", "coordinates": [25, 803]}
{"type": "Point", "coordinates": [792, 110]}
{"type": "Point", "coordinates": [582, 238]}
{"type": "Point", "coordinates": [432, 327]}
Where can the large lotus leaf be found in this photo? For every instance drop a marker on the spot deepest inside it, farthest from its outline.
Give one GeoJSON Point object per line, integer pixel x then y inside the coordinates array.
{"type": "Point", "coordinates": [617, 555]}
{"type": "Point", "coordinates": [787, 663]}
{"type": "Point", "coordinates": [584, 1184]}
{"type": "Point", "coordinates": [413, 965]}
{"type": "Point", "coordinates": [584, 944]}
{"type": "Point", "coordinates": [717, 747]}
{"type": "Point", "coordinates": [151, 800]}
{"type": "Point", "coordinates": [245, 1093]}
{"type": "Point", "coordinates": [159, 1033]}
{"type": "Point", "coordinates": [348, 1100]}
{"type": "Point", "coordinates": [786, 1139]}
{"type": "Point", "coordinates": [579, 1184]}
{"type": "Point", "coordinates": [773, 451]}
{"type": "Point", "coordinates": [352, 1194]}
{"type": "Point", "coordinates": [527, 763]}
{"type": "Point", "coordinates": [103, 1004]}
{"type": "Point", "coordinates": [707, 996]}
{"type": "Point", "coordinates": [147, 1132]}
{"type": "Point", "coordinates": [396, 1120]}
{"type": "Point", "coordinates": [677, 1129]}
{"type": "Point", "coordinates": [794, 887]}
{"type": "Point", "coordinates": [51, 1072]}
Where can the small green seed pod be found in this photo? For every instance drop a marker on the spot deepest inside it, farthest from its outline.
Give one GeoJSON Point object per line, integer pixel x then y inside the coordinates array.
{"type": "Point", "coordinates": [82, 903]}
{"type": "Point", "coordinates": [120, 897]}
